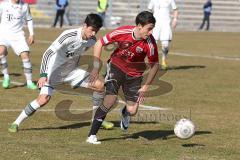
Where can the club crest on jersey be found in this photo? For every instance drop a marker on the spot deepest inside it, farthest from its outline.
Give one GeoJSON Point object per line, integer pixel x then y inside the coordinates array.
{"type": "Point", "coordinates": [139, 49]}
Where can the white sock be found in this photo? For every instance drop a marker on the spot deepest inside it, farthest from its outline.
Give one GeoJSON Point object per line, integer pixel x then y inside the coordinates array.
{"type": "Point", "coordinates": [26, 112]}
{"type": "Point", "coordinates": [4, 66]}
{"type": "Point", "coordinates": [20, 118]}
{"type": "Point", "coordinates": [29, 81]}
{"type": "Point", "coordinates": [6, 76]}
{"type": "Point", "coordinates": [27, 70]}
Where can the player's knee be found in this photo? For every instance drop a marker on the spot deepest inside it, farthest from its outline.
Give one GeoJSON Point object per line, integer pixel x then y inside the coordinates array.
{"type": "Point", "coordinates": [43, 99]}
{"type": "Point", "coordinates": [165, 50]}
{"type": "Point", "coordinates": [132, 111]}
{"type": "Point", "coordinates": [3, 51]}
{"type": "Point", "coordinates": [99, 86]}
{"type": "Point", "coordinates": [111, 87]}
{"type": "Point", "coordinates": [24, 55]}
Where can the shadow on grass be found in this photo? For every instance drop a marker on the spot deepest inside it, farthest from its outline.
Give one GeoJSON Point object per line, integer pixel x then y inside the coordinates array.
{"type": "Point", "coordinates": [80, 125]}
{"type": "Point", "coordinates": [71, 126]}
{"type": "Point", "coordinates": [193, 145]}
{"type": "Point", "coordinates": [13, 85]}
{"type": "Point", "coordinates": [16, 86]}
{"type": "Point", "coordinates": [153, 135]}
{"type": "Point", "coordinates": [117, 123]}
{"type": "Point", "coordinates": [186, 67]}
{"type": "Point", "coordinates": [13, 74]}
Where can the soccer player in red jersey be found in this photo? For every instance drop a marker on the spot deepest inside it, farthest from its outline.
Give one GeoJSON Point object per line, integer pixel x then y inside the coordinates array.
{"type": "Point", "coordinates": [125, 69]}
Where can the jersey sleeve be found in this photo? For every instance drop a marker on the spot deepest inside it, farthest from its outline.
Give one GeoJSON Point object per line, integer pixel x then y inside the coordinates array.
{"type": "Point", "coordinates": [108, 38]}
{"type": "Point", "coordinates": [152, 51]}
{"type": "Point", "coordinates": [114, 36]}
{"type": "Point", "coordinates": [28, 14]}
{"type": "Point", "coordinates": [29, 20]}
{"type": "Point", "coordinates": [151, 5]}
{"type": "Point", "coordinates": [173, 4]}
{"type": "Point", "coordinates": [63, 40]}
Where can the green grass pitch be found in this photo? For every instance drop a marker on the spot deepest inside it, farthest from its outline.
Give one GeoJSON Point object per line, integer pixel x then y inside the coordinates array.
{"type": "Point", "coordinates": [204, 73]}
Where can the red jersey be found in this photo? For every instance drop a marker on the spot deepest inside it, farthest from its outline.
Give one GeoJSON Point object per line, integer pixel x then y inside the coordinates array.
{"type": "Point", "coordinates": [130, 53]}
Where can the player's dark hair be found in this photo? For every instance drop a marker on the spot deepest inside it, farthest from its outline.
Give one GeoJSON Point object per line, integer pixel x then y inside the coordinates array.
{"type": "Point", "coordinates": [144, 18]}
{"type": "Point", "coordinates": [94, 20]}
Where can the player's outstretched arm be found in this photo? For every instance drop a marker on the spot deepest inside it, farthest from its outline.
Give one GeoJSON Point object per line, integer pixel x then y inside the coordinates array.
{"type": "Point", "coordinates": [31, 39]}
{"type": "Point", "coordinates": [175, 19]}
{"type": "Point", "coordinates": [30, 27]}
{"type": "Point", "coordinates": [96, 61]}
{"type": "Point", "coordinates": [41, 82]}
{"type": "Point", "coordinates": [151, 75]}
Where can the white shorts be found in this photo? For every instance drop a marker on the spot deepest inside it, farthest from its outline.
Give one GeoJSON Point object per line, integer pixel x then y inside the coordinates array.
{"type": "Point", "coordinates": [16, 41]}
{"type": "Point", "coordinates": [76, 78]}
{"type": "Point", "coordinates": [162, 32]}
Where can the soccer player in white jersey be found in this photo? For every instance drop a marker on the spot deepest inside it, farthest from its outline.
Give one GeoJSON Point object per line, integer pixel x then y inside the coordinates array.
{"type": "Point", "coordinates": [65, 53]}
{"type": "Point", "coordinates": [14, 13]}
{"type": "Point", "coordinates": [164, 24]}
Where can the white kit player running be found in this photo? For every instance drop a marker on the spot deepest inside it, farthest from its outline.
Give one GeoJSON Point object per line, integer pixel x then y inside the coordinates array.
{"type": "Point", "coordinates": [14, 14]}
{"type": "Point", "coordinates": [163, 28]}
{"type": "Point", "coordinates": [60, 65]}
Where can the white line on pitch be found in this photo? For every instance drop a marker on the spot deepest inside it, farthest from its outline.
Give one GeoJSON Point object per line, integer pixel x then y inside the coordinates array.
{"type": "Point", "coordinates": [206, 56]}
{"type": "Point", "coordinates": [148, 107]}
{"type": "Point", "coordinates": [43, 41]}
{"type": "Point", "coordinates": [145, 107]}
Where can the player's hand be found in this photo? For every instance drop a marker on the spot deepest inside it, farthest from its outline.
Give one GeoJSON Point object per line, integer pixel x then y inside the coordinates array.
{"type": "Point", "coordinates": [142, 93]}
{"type": "Point", "coordinates": [174, 23]}
{"type": "Point", "coordinates": [41, 82]}
{"type": "Point", "coordinates": [93, 76]}
{"type": "Point", "coordinates": [31, 40]}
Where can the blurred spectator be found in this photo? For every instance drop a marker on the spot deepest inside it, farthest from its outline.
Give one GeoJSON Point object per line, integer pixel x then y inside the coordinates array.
{"type": "Point", "coordinates": [207, 8]}
{"type": "Point", "coordinates": [102, 8]}
{"type": "Point", "coordinates": [61, 6]}
{"type": "Point", "coordinates": [67, 14]}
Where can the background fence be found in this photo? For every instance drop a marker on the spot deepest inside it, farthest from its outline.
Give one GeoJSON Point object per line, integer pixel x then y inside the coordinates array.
{"type": "Point", "coordinates": [225, 14]}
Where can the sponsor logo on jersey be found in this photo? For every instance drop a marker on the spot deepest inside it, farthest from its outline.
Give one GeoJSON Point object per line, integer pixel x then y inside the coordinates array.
{"type": "Point", "coordinates": [139, 49]}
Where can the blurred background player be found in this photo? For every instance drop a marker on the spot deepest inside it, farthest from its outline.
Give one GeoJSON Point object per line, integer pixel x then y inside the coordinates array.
{"type": "Point", "coordinates": [13, 15]}
{"type": "Point", "coordinates": [101, 9]}
{"type": "Point", "coordinates": [66, 16]}
{"type": "Point", "coordinates": [61, 6]}
{"type": "Point", "coordinates": [65, 52]}
{"type": "Point", "coordinates": [207, 8]}
{"type": "Point", "coordinates": [163, 27]}
{"type": "Point", "coordinates": [125, 69]}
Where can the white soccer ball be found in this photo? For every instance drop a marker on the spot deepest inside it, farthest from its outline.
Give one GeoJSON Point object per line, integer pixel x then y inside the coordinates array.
{"type": "Point", "coordinates": [184, 128]}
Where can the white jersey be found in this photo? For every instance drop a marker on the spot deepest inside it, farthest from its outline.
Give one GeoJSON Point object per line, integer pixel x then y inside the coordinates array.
{"type": "Point", "coordinates": [63, 55]}
{"type": "Point", "coordinates": [162, 8]}
{"type": "Point", "coordinates": [13, 16]}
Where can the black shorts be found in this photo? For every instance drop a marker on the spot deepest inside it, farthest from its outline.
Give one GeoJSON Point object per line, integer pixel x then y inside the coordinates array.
{"type": "Point", "coordinates": [116, 78]}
